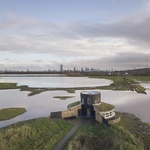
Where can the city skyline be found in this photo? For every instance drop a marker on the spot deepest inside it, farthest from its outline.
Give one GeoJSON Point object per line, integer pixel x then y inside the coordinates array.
{"type": "Point", "coordinates": [41, 35]}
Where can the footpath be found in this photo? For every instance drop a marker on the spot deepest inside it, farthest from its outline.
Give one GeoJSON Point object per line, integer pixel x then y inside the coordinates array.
{"type": "Point", "coordinates": [76, 123]}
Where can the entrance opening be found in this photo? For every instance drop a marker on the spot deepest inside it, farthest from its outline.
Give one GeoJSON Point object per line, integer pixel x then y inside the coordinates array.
{"type": "Point", "coordinates": [88, 112]}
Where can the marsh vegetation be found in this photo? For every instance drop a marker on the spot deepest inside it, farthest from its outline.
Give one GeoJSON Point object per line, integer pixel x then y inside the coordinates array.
{"type": "Point", "coordinates": [63, 97]}
{"type": "Point", "coordinates": [119, 83]}
{"type": "Point", "coordinates": [41, 133]}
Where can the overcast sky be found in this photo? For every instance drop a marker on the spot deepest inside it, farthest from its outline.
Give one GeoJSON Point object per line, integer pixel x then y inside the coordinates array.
{"type": "Point", "coordinates": [103, 34]}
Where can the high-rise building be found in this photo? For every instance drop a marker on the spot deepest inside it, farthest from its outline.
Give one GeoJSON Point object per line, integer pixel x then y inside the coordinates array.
{"type": "Point", "coordinates": [61, 68]}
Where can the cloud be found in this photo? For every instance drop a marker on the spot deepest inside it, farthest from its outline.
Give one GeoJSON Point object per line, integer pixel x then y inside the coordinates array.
{"type": "Point", "coordinates": [13, 21]}
{"type": "Point", "coordinates": [133, 29]}
{"type": "Point", "coordinates": [121, 60]}
{"type": "Point", "coordinates": [37, 61]}
{"type": "Point", "coordinates": [77, 38]}
{"type": "Point", "coordinates": [124, 43]}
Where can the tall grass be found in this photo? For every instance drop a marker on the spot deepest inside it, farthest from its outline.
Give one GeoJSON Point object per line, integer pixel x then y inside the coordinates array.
{"type": "Point", "coordinates": [102, 137]}
{"type": "Point", "coordinates": [39, 134]}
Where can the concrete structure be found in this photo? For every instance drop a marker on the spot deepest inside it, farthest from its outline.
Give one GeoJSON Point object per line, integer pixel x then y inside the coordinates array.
{"type": "Point", "coordinates": [88, 99]}
{"type": "Point", "coordinates": [90, 106]}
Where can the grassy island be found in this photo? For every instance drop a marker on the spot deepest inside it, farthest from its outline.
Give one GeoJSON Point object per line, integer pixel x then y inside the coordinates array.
{"type": "Point", "coordinates": [8, 113]}
{"type": "Point", "coordinates": [63, 97]}
{"type": "Point", "coordinates": [8, 86]}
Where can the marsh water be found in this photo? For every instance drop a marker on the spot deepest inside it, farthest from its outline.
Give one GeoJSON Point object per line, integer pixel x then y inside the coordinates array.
{"type": "Point", "coordinates": [41, 105]}
{"type": "Point", "coordinates": [53, 81]}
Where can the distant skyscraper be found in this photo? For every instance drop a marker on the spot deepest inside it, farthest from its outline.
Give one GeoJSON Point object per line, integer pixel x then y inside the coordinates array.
{"type": "Point", "coordinates": [61, 68]}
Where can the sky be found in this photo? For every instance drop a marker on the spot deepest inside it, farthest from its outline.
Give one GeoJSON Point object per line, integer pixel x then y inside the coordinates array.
{"type": "Point", "coordinates": [102, 34]}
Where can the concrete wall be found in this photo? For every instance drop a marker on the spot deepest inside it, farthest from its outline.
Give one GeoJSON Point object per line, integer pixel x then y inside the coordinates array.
{"type": "Point", "coordinates": [114, 121]}
{"type": "Point", "coordinates": [57, 114]}
{"type": "Point", "coordinates": [98, 117]}
{"type": "Point", "coordinates": [108, 114]}
{"type": "Point", "coordinates": [72, 112]}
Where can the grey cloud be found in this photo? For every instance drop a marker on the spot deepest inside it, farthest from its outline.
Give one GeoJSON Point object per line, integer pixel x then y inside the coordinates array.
{"type": "Point", "coordinates": [81, 39]}
{"type": "Point", "coordinates": [123, 60]}
{"type": "Point", "coordinates": [135, 28]}
{"type": "Point", "coordinates": [37, 61]}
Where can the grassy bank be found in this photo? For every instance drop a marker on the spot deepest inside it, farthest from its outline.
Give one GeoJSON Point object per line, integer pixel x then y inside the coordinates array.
{"type": "Point", "coordinates": [44, 133]}
{"type": "Point", "coordinates": [133, 125]}
{"type": "Point", "coordinates": [41, 133]}
{"type": "Point", "coordinates": [102, 137]}
{"type": "Point", "coordinates": [8, 113]}
{"type": "Point", "coordinates": [130, 133]}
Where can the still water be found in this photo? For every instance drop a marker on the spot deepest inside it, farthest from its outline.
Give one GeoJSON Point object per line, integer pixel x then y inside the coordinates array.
{"type": "Point", "coordinates": [42, 104]}
{"type": "Point", "coordinates": [54, 81]}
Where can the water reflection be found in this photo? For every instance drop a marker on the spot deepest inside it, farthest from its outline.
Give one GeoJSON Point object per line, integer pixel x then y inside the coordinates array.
{"type": "Point", "coordinates": [44, 103]}
{"type": "Point", "coordinates": [56, 82]}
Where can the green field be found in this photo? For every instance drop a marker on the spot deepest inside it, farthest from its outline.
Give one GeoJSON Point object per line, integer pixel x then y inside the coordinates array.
{"type": "Point", "coordinates": [8, 113]}
{"type": "Point", "coordinates": [35, 134]}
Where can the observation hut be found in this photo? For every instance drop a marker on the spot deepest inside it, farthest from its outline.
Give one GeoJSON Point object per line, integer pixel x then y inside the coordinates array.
{"type": "Point", "coordinates": [90, 105]}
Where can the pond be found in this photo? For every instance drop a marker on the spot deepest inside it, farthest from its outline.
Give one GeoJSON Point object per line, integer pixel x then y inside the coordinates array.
{"type": "Point", "coordinates": [42, 104]}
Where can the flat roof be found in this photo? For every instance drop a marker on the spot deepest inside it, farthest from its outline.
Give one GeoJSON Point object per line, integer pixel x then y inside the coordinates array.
{"type": "Point", "coordinates": [90, 92]}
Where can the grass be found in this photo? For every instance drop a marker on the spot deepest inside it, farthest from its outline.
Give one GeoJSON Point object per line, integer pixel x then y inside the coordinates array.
{"type": "Point", "coordinates": [130, 134]}
{"type": "Point", "coordinates": [105, 107]}
{"type": "Point", "coordinates": [41, 133]}
{"type": "Point", "coordinates": [124, 83]}
{"type": "Point", "coordinates": [139, 78]}
{"type": "Point", "coordinates": [73, 104]}
{"type": "Point", "coordinates": [8, 113]}
{"type": "Point", "coordinates": [102, 137]}
{"type": "Point", "coordinates": [8, 85]}
{"type": "Point", "coordinates": [44, 133]}
{"type": "Point", "coordinates": [63, 97]}
{"type": "Point", "coordinates": [140, 130]}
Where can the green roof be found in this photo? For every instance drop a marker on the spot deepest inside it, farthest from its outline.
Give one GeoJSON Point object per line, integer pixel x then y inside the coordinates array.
{"type": "Point", "coordinates": [105, 107]}
{"type": "Point", "coordinates": [73, 104]}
